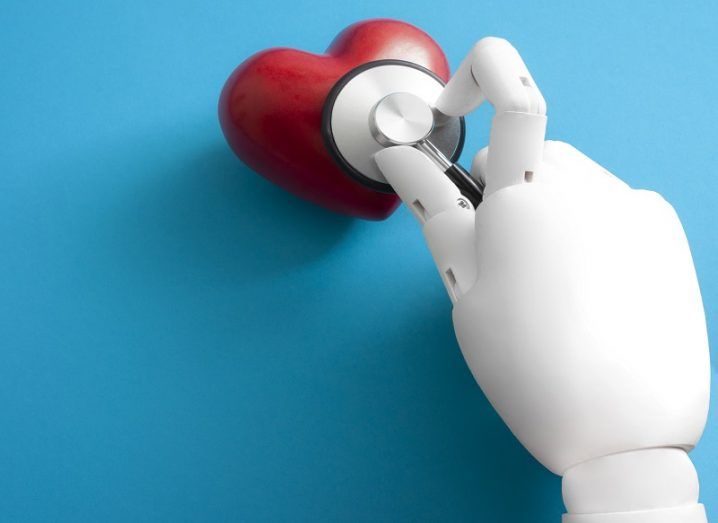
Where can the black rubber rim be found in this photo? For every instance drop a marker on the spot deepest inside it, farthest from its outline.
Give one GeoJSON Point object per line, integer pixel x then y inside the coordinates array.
{"type": "Point", "coordinates": [328, 137]}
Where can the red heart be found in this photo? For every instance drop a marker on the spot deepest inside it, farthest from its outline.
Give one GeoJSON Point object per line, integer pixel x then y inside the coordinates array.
{"type": "Point", "coordinates": [271, 111]}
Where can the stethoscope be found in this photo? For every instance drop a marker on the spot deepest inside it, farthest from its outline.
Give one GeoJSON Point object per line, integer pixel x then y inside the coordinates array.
{"type": "Point", "coordinates": [387, 103]}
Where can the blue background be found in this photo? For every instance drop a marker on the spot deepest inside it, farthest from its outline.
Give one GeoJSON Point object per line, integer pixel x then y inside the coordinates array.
{"type": "Point", "coordinates": [182, 341]}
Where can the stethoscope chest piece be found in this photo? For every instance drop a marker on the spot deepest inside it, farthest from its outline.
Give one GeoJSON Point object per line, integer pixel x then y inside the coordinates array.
{"type": "Point", "coordinates": [384, 103]}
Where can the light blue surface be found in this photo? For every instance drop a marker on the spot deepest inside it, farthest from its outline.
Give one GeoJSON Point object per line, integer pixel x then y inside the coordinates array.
{"type": "Point", "coordinates": [182, 341]}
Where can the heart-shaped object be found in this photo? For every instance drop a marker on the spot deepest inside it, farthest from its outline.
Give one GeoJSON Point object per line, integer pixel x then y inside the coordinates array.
{"type": "Point", "coordinates": [270, 111]}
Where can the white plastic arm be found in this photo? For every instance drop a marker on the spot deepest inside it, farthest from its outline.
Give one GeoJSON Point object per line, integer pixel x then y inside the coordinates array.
{"type": "Point", "coordinates": [447, 217]}
{"type": "Point", "coordinates": [494, 71]}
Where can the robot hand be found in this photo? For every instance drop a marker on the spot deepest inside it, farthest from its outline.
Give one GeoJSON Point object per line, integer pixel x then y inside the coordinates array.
{"type": "Point", "coordinates": [578, 311]}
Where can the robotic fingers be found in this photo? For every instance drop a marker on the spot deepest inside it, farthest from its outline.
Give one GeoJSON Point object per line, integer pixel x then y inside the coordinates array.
{"type": "Point", "coordinates": [408, 126]}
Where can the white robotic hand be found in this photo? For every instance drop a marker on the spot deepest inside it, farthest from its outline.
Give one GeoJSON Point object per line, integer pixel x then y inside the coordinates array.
{"type": "Point", "coordinates": [577, 308]}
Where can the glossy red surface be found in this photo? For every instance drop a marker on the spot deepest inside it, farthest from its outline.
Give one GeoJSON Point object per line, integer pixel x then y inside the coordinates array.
{"type": "Point", "coordinates": [271, 111]}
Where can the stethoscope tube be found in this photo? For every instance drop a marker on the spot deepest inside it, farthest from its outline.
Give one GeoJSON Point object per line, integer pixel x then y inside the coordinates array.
{"type": "Point", "coordinates": [460, 177]}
